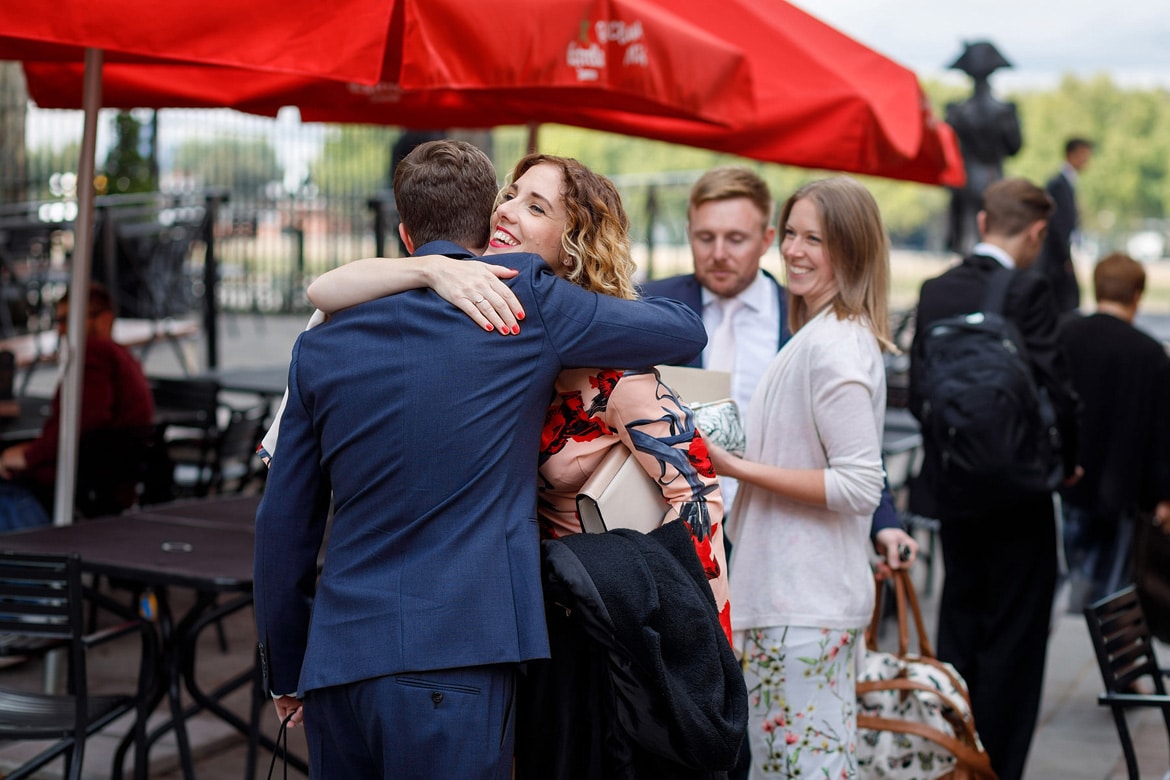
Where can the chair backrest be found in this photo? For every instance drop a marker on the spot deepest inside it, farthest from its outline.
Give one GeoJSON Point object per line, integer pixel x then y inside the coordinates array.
{"type": "Point", "coordinates": [1123, 643]}
{"type": "Point", "coordinates": [236, 458]}
{"type": "Point", "coordinates": [114, 466]}
{"type": "Point", "coordinates": [190, 403]}
{"type": "Point", "coordinates": [41, 598]}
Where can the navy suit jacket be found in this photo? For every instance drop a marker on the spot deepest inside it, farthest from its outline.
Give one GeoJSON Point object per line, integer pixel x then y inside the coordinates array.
{"type": "Point", "coordinates": [1055, 261]}
{"type": "Point", "coordinates": [426, 431]}
{"type": "Point", "coordinates": [686, 288]}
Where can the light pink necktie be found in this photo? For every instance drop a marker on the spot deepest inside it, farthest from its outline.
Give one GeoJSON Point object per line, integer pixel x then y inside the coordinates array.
{"type": "Point", "coordinates": [721, 350]}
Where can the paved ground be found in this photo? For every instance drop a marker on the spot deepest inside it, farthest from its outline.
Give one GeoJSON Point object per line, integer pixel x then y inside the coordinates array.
{"type": "Point", "coordinates": [1075, 739]}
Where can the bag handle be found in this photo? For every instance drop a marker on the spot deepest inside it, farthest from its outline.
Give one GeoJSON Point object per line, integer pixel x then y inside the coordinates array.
{"type": "Point", "coordinates": [974, 762]}
{"type": "Point", "coordinates": [906, 601]}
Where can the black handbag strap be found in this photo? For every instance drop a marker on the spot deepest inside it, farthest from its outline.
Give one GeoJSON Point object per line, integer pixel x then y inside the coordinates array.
{"type": "Point", "coordinates": [281, 746]}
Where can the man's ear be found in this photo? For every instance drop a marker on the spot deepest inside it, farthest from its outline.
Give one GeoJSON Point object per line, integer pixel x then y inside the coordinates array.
{"type": "Point", "coordinates": [1039, 229]}
{"type": "Point", "coordinates": [981, 222]}
{"type": "Point", "coordinates": [406, 240]}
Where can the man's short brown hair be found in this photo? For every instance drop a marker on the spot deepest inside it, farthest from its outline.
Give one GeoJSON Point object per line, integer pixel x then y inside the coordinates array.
{"type": "Point", "coordinates": [733, 181]}
{"type": "Point", "coordinates": [1013, 205]}
{"type": "Point", "coordinates": [445, 190]}
{"type": "Point", "coordinates": [1119, 278]}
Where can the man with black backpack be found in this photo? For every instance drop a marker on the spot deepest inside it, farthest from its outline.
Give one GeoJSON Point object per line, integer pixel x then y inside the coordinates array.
{"type": "Point", "coordinates": [989, 384]}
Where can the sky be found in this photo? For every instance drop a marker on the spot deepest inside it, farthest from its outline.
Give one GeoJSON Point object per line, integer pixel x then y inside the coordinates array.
{"type": "Point", "coordinates": [1043, 39]}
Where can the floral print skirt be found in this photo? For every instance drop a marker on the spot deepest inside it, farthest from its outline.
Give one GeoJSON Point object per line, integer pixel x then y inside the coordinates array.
{"type": "Point", "coordinates": [802, 702]}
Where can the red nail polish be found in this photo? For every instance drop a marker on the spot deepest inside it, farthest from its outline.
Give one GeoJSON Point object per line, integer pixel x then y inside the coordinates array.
{"type": "Point", "coordinates": [488, 326]}
{"type": "Point", "coordinates": [519, 315]}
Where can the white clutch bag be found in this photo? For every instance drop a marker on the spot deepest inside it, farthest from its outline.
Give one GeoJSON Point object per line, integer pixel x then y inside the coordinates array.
{"type": "Point", "coordinates": [719, 421]}
{"type": "Point", "coordinates": [620, 494]}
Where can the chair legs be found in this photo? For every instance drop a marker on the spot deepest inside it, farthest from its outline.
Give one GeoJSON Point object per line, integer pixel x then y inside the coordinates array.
{"type": "Point", "coordinates": [1131, 764]}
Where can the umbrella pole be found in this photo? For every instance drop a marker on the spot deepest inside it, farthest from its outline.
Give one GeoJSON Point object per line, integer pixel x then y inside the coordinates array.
{"type": "Point", "coordinates": [73, 353]}
{"type": "Point", "coordinates": [533, 128]}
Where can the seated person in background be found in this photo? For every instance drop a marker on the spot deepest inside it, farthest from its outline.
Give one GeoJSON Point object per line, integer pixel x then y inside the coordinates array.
{"type": "Point", "coordinates": [114, 395]}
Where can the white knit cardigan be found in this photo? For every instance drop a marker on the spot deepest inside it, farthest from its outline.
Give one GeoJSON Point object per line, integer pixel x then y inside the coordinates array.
{"type": "Point", "coordinates": [820, 405]}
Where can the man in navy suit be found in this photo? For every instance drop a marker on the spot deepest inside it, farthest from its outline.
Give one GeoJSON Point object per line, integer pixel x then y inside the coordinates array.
{"type": "Point", "coordinates": [1055, 261]}
{"type": "Point", "coordinates": [425, 430]}
{"type": "Point", "coordinates": [999, 554]}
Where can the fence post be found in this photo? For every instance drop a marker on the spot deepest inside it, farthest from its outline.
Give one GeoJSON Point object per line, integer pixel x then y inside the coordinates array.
{"type": "Point", "coordinates": [375, 205]}
{"type": "Point", "coordinates": [211, 203]}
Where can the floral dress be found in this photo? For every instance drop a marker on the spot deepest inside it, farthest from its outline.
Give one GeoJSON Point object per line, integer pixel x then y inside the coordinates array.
{"type": "Point", "coordinates": [594, 410]}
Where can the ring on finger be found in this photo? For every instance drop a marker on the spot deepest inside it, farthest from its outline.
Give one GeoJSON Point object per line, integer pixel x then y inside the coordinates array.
{"type": "Point", "coordinates": [479, 300]}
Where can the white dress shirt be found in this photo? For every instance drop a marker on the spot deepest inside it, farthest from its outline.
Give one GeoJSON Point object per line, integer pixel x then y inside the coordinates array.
{"type": "Point", "coordinates": [757, 339]}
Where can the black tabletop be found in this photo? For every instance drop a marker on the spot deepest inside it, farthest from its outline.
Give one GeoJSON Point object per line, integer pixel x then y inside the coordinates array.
{"type": "Point", "coordinates": [261, 380]}
{"type": "Point", "coordinates": [233, 512]}
{"type": "Point", "coordinates": [156, 551]}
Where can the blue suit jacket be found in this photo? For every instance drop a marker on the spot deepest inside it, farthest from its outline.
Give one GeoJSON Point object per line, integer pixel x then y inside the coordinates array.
{"type": "Point", "coordinates": [686, 288]}
{"type": "Point", "coordinates": [426, 431]}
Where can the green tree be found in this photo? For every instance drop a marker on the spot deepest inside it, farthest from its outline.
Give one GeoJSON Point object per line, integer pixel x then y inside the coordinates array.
{"type": "Point", "coordinates": [244, 166]}
{"type": "Point", "coordinates": [354, 161]}
{"type": "Point", "coordinates": [1128, 181]}
{"type": "Point", "coordinates": [126, 168]}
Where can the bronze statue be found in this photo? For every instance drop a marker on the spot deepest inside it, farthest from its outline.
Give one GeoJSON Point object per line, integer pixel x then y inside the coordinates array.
{"type": "Point", "coordinates": [988, 130]}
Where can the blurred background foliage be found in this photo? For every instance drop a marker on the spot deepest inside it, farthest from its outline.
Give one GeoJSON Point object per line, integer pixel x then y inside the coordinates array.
{"type": "Point", "coordinates": [1126, 188]}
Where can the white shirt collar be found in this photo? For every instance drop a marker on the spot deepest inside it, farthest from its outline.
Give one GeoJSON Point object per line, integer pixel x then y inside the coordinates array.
{"type": "Point", "coordinates": [1069, 173]}
{"type": "Point", "coordinates": [757, 296]}
{"type": "Point", "coordinates": [992, 251]}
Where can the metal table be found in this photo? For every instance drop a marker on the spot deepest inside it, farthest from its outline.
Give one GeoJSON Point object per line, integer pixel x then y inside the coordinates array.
{"type": "Point", "coordinates": [196, 545]}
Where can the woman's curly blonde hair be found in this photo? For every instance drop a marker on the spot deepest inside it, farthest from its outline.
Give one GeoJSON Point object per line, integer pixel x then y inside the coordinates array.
{"type": "Point", "coordinates": [596, 240]}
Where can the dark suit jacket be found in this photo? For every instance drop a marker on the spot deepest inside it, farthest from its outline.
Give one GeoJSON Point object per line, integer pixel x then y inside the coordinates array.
{"type": "Point", "coordinates": [686, 288]}
{"type": "Point", "coordinates": [426, 431]}
{"type": "Point", "coordinates": [1123, 379]}
{"type": "Point", "coordinates": [1055, 260]}
{"type": "Point", "coordinates": [1031, 306]}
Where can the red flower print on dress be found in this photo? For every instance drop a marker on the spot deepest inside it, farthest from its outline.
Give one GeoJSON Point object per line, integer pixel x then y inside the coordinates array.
{"type": "Point", "coordinates": [699, 457]}
{"type": "Point", "coordinates": [567, 419]}
{"type": "Point", "coordinates": [605, 381]}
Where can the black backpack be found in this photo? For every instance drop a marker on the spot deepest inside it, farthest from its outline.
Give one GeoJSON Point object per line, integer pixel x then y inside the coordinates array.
{"type": "Point", "coordinates": [992, 427]}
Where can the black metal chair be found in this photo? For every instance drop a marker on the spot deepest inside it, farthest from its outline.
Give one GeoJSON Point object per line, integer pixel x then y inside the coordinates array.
{"type": "Point", "coordinates": [231, 463]}
{"type": "Point", "coordinates": [41, 599]}
{"type": "Point", "coordinates": [1125, 652]}
{"type": "Point", "coordinates": [113, 468]}
{"type": "Point", "coordinates": [187, 418]}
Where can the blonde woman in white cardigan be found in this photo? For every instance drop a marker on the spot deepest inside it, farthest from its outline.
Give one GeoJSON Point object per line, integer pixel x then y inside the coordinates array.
{"type": "Point", "coordinates": [809, 484]}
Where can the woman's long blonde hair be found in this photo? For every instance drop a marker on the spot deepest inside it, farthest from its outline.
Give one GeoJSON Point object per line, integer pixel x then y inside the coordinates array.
{"type": "Point", "coordinates": [596, 240]}
{"type": "Point", "coordinates": [859, 254]}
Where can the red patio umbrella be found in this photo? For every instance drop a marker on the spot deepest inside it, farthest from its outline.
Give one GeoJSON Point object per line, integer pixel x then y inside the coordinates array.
{"type": "Point", "coordinates": [346, 41]}
{"type": "Point", "coordinates": [822, 100]}
{"type": "Point", "coordinates": [815, 97]}
{"type": "Point", "coordinates": [443, 68]}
